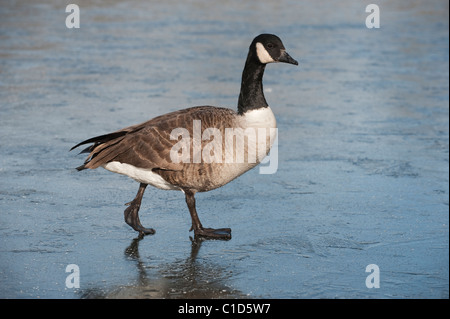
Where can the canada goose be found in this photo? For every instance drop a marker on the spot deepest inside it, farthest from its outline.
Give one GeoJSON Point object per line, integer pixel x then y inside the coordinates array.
{"type": "Point", "coordinates": [149, 152]}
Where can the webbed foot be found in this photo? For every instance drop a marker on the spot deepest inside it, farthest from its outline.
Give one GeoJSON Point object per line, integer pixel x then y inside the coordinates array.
{"type": "Point", "coordinates": [131, 214]}
{"type": "Point", "coordinates": [212, 233]}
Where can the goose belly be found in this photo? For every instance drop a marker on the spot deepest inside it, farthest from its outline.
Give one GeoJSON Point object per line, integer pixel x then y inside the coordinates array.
{"type": "Point", "coordinates": [140, 175]}
{"type": "Point", "coordinates": [205, 177]}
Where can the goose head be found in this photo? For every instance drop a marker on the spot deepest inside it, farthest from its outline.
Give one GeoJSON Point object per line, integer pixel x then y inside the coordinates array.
{"type": "Point", "coordinates": [268, 48]}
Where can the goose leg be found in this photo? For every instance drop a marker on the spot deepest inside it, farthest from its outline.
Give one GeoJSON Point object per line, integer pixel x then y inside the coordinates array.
{"type": "Point", "coordinates": [199, 230]}
{"type": "Point", "coordinates": [131, 214]}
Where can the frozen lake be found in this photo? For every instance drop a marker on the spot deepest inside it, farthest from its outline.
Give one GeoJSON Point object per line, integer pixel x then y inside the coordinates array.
{"type": "Point", "coordinates": [363, 162]}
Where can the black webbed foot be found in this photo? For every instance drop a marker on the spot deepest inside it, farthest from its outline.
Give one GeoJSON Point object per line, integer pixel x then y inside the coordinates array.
{"type": "Point", "coordinates": [131, 214]}
{"type": "Point", "coordinates": [132, 219]}
{"type": "Point", "coordinates": [199, 230]}
{"type": "Point", "coordinates": [211, 233]}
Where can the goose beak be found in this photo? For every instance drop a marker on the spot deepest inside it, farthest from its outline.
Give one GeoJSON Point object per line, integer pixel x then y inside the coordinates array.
{"type": "Point", "coordinates": [286, 58]}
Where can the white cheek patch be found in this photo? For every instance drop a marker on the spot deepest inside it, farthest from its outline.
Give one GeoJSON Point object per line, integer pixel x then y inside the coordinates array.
{"type": "Point", "coordinates": [263, 55]}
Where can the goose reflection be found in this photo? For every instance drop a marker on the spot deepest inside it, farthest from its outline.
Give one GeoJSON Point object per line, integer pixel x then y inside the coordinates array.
{"type": "Point", "coordinates": [186, 278]}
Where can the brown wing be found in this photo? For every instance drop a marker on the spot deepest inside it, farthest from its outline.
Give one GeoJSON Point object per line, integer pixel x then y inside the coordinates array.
{"type": "Point", "coordinates": [148, 145]}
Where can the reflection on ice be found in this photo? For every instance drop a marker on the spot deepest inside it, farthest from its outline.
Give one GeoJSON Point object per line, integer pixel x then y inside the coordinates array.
{"type": "Point", "coordinates": [183, 279]}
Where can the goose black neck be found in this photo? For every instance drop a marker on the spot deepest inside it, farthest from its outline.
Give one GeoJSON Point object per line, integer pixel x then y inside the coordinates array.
{"type": "Point", "coordinates": [252, 95]}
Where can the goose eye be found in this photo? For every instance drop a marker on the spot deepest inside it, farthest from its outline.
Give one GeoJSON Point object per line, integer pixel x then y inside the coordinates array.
{"type": "Point", "coordinates": [270, 45]}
